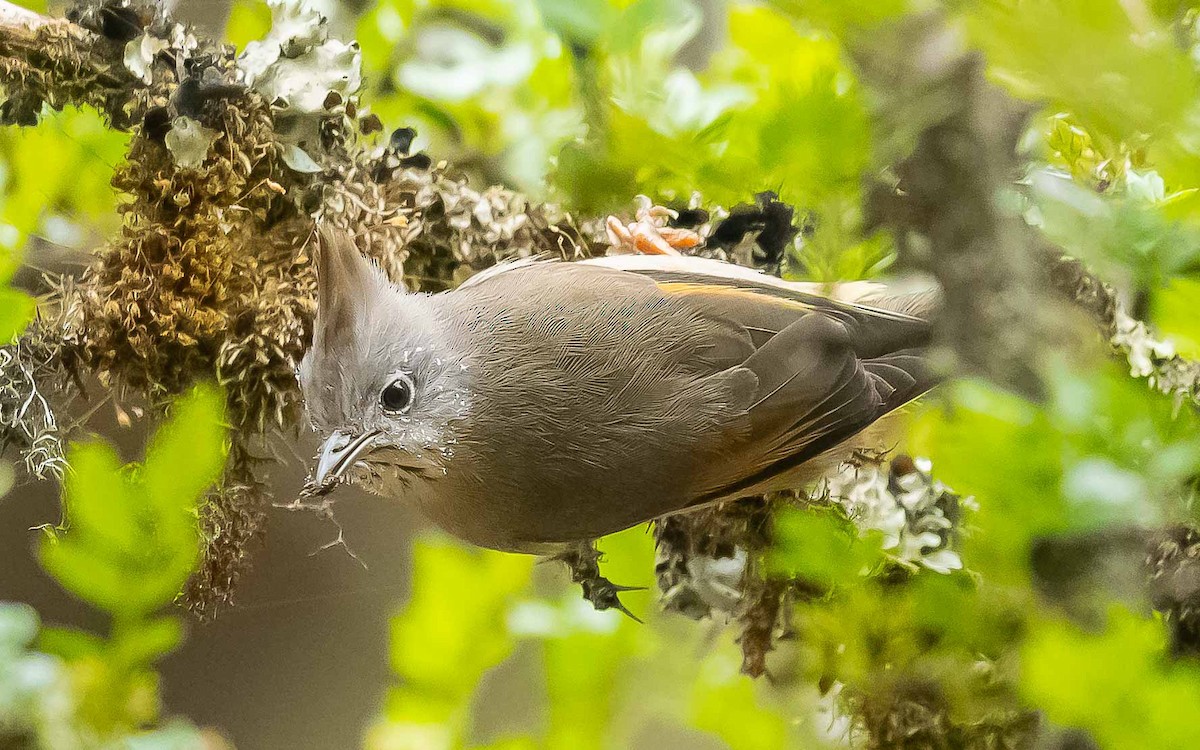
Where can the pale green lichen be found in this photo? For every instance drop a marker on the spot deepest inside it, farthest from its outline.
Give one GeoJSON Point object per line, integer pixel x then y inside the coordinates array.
{"type": "Point", "coordinates": [304, 74]}
{"type": "Point", "coordinates": [1155, 359]}
{"type": "Point", "coordinates": [919, 517]}
{"type": "Point", "coordinates": [189, 142]}
{"type": "Point", "coordinates": [139, 56]}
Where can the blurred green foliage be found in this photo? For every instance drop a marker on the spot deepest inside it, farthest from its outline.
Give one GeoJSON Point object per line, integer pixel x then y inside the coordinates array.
{"type": "Point", "coordinates": [612, 104]}
{"type": "Point", "coordinates": [590, 102]}
{"type": "Point", "coordinates": [1144, 85]}
{"type": "Point", "coordinates": [584, 679]}
{"type": "Point", "coordinates": [56, 178]}
{"type": "Point", "coordinates": [16, 307]}
{"type": "Point", "coordinates": [820, 545]}
{"type": "Point", "coordinates": [1094, 680]}
{"type": "Point", "coordinates": [128, 541]}
{"type": "Point", "coordinates": [440, 650]}
{"type": "Point", "coordinates": [54, 185]}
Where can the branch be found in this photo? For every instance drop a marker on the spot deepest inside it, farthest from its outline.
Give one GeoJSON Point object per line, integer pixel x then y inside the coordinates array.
{"type": "Point", "coordinates": [955, 139]}
{"type": "Point", "coordinates": [957, 134]}
{"type": "Point", "coordinates": [1147, 355]}
{"type": "Point", "coordinates": [58, 62]}
{"type": "Point", "coordinates": [1001, 279]}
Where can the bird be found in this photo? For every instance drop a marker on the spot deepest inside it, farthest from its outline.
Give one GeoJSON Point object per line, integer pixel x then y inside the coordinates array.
{"type": "Point", "coordinates": [545, 403]}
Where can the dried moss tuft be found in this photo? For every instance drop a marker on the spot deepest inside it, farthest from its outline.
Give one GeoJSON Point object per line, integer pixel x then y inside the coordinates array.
{"type": "Point", "coordinates": [60, 63]}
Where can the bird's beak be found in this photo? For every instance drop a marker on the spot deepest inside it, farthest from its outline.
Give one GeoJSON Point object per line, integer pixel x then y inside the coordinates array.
{"type": "Point", "coordinates": [338, 454]}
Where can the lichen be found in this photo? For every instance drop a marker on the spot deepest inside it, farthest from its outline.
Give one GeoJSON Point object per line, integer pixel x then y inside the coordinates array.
{"type": "Point", "coordinates": [304, 74]}
{"type": "Point", "coordinates": [1145, 352]}
{"type": "Point", "coordinates": [710, 561]}
{"type": "Point", "coordinates": [1156, 360]}
{"type": "Point", "coordinates": [139, 56]}
{"type": "Point", "coordinates": [189, 142]}
{"type": "Point", "coordinates": [904, 712]}
{"type": "Point", "coordinates": [1173, 564]}
{"type": "Point", "coordinates": [919, 518]}
{"type": "Point", "coordinates": [30, 378]}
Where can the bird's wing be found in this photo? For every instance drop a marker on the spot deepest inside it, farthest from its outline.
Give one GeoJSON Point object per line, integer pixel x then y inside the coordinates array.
{"type": "Point", "coordinates": [682, 269]}
{"type": "Point", "coordinates": [820, 381]}
{"type": "Point", "coordinates": [826, 368]}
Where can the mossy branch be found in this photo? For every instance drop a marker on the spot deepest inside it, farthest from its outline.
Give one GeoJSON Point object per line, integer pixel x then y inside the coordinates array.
{"type": "Point", "coordinates": [58, 62]}
{"type": "Point", "coordinates": [210, 276]}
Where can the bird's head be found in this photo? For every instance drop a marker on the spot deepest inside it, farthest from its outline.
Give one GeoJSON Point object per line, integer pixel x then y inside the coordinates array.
{"type": "Point", "coordinates": [379, 381]}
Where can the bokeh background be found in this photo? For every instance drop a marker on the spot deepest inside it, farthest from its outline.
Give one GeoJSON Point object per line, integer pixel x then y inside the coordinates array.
{"type": "Point", "coordinates": [414, 641]}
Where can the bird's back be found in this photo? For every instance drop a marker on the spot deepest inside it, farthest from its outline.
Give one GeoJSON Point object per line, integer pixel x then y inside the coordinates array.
{"type": "Point", "coordinates": [604, 397]}
{"type": "Point", "coordinates": [585, 397]}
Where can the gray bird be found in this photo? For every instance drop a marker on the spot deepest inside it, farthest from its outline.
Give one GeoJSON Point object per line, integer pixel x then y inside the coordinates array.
{"type": "Point", "coordinates": [544, 403]}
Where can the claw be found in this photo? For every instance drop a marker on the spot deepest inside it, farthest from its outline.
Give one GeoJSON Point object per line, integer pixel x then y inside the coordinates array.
{"type": "Point", "coordinates": [603, 594]}
{"type": "Point", "coordinates": [649, 234]}
{"type": "Point", "coordinates": [625, 611]}
{"type": "Point", "coordinates": [584, 563]}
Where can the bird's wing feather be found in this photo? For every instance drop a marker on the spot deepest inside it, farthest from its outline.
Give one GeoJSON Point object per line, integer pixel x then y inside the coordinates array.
{"type": "Point", "coordinates": [816, 390]}
{"type": "Point", "coordinates": [688, 270]}
{"type": "Point", "coordinates": [824, 369]}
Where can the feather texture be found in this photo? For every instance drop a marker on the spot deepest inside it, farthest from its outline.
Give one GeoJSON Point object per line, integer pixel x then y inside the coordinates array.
{"type": "Point", "coordinates": [628, 394]}
{"type": "Point", "coordinates": [567, 401]}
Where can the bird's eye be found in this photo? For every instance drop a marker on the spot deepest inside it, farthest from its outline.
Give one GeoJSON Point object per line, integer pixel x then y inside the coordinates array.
{"type": "Point", "coordinates": [397, 396]}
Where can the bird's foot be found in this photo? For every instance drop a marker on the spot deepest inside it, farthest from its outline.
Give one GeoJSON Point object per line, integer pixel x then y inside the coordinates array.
{"type": "Point", "coordinates": [650, 233]}
{"type": "Point", "coordinates": [583, 560]}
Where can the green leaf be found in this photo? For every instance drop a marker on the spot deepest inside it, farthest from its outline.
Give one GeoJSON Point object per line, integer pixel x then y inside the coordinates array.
{"type": "Point", "coordinates": [62, 169]}
{"type": "Point", "coordinates": [819, 545]}
{"type": "Point", "coordinates": [132, 543]}
{"type": "Point", "coordinates": [1143, 110]}
{"type": "Point", "coordinates": [91, 574]}
{"type": "Point", "coordinates": [16, 311]}
{"type": "Point", "coordinates": [160, 584]}
{"type": "Point", "coordinates": [99, 501]}
{"type": "Point", "coordinates": [381, 30]}
{"type": "Point", "coordinates": [144, 642]}
{"type": "Point", "coordinates": [1086, 56]}
{"type": "Point", "coordinates": [631, 26]}
{"type": "Point", "coordinates": [453, 629]}
{"type": "Point", "coordinates": [70, 644]}
{"type": "Point", "coordinates": [576, 21]}
{"type": "Point", "coordinates": [186, 455]}
{"type": "Point", "coordinates": [845, 17]}
{"type": "Point", "coordinates": [1117, 684]}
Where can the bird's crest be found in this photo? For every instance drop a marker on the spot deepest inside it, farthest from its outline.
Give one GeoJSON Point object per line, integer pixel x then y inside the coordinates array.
{"type": "Point", "coordinates": [347, 285]}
